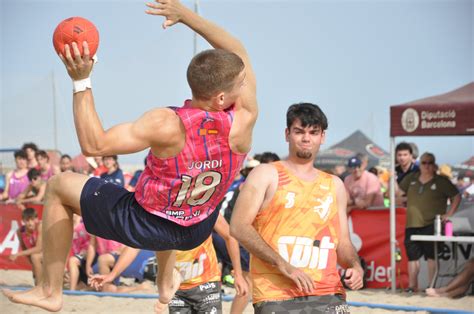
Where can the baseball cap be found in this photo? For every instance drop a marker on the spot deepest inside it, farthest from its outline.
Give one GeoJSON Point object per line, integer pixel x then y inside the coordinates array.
{"type": "Point", "coordinates": [353, 162]}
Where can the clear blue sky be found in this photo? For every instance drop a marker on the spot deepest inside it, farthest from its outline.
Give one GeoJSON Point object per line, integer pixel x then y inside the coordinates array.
{"type": "Point", "coordinates": [353, 58]}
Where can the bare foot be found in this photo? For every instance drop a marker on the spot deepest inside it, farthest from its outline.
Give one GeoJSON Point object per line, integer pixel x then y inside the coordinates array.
{"type": "Point", "coordinates": [36, 297]}
{"type": "Point", "coordinates": [431, 292]}
{"type": "Point", "coordinates": [7, 292]}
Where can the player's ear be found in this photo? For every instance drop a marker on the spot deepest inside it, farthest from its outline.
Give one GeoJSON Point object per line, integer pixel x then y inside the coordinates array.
{"type": "Point", "coordinates": [323, 137]}
{"type": "Point", "coordinates": [287, 134]}
{"type": "Point", "coordinates": [220, 99]}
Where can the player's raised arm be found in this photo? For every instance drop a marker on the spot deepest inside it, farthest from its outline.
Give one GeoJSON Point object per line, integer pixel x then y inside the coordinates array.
{"type": "Point", "coordinates": [219, 38]}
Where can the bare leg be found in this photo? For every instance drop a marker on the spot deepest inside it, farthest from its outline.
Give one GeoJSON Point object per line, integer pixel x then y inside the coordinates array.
{"type": "Point", "coordinates": [413, 270]}
{"type": "Point", "coordinates": [37, 263]}
{"type": "Point", "coordinates": [106, 263]}
{"type": "Point", "coordinates": [241, 301]}
{"type": "Point", "coordinates": [458, 285]}
{"type": "Point", "coordinates": [431, 269]}
{"type": "Point", "coordinates": [464, 278]}
{"type": "Point", "coordinates": [74, 265]}
{"type": "Point", "coordinates": [168, 279]}
{"type": "Point", "coordinates": [62, 200]}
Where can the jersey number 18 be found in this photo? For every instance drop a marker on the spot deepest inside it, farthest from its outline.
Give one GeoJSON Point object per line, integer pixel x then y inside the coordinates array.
{"type": "Point", "coordinates": [202, 190]}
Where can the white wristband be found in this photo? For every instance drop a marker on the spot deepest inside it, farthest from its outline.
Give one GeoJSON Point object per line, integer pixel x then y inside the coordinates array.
{"type": "Point", "coordinates": [81, 85]}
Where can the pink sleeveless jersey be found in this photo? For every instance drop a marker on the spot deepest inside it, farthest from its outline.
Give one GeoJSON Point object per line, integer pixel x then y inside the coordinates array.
{"type": "Point", "coordinates": [187, 188]}
{"type": "Point", "coordinates": [17, 185]}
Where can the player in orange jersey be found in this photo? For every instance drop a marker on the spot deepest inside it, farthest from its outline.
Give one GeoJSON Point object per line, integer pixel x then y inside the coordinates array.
{"type": "Point", "coordinates": [292, 218]}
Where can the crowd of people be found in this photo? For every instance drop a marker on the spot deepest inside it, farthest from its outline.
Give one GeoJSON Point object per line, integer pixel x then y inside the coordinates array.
{"type": "Point", "coordinates": [26, 183]}
{"type": "Point", "coordinates": [288, 216]}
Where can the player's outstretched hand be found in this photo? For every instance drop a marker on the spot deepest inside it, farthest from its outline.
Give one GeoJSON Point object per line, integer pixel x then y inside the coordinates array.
{"type": "Point", "coordinates": [353, 278]}
{"type": "Point", "coordinates": [98, 281]}
{"type": "Point", "coordinates": [77, 67]}
{"type": "Point", "coordinates": [240, 285]}
{"type": "Point", "coordinates": [302, 280]}
{"type": "Point", "coordinates": [171, 9]}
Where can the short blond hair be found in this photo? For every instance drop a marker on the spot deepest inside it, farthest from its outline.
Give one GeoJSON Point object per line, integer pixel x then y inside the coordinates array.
{"type": "Point", "coordinates": [213, 71]}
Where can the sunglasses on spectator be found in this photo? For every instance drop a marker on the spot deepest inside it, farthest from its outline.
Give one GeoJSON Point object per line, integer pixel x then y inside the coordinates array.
{"type": "Point", "coordinates": [427, 162]}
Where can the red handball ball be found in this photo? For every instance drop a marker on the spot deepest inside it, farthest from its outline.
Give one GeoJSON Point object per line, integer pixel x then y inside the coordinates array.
{"type": "Point", "coordinates": [76, 29]}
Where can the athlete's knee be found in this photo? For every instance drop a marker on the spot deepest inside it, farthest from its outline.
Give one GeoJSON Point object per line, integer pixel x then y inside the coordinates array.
{"type": "Point", "coordinates": [55, 183]}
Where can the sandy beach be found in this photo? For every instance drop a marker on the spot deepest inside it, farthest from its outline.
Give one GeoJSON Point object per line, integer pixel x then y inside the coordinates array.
{"type": "Point", "coordinates": [96, 304]}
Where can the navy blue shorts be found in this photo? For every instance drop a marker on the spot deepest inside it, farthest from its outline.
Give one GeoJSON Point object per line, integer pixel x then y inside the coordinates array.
{"type": "Point", "coordinates": [223, 254]}
{"type": "Point", "coordinates": [111, 212]}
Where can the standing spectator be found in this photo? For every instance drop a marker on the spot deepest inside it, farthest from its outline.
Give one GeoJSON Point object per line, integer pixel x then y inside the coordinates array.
{"type": "Point", "coordinates": [363, 188]}
{"type": "Point", "coordinates": [427, 196]}
{"type": "Point", "coordinates": [114, 174]}
{"type": "Point", "coordinates": [31, 240]}
{"type": "Point", "coordinates": [65, 163]}
{"type": "Point", "coordinates": [35, 190]}
{"type": "Point", "coordinates": [405, 161]}
{"type": "Point", "coordinates": [30, 150]}
{"type": "Point", "coordinates": [46, 168]}
{"type": "Point", "coordinates": [288, 207]}
{"type": "Point", "coordinates": [17, 179]}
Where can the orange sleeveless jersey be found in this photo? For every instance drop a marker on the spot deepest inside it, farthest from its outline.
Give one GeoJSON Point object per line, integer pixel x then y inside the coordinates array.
{"type": "Point", "coordinates": [301, 223]}
{"type": "Point", "coordinates": [198, 266]}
